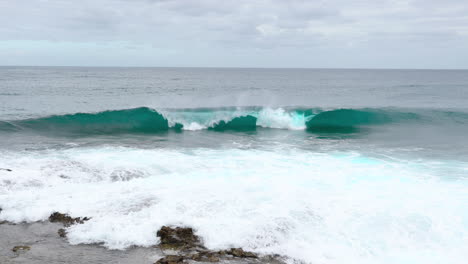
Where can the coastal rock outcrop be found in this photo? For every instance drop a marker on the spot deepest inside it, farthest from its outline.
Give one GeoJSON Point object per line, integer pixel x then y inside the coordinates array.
{"type": "Point", "coordinates": [240, 253]}
{"type": "Point", "coordinates": [66, 220]}
{"type": "Point", "coordinates": [190, 247]}
{"type": "Point", "coordinates": [206, 256]}
{"type": "Point", "coordinates": [178, 238]}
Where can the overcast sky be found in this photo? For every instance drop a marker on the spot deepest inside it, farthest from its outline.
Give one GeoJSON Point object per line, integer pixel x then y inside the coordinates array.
{"type": "Point", "coordinates": [236, 33]}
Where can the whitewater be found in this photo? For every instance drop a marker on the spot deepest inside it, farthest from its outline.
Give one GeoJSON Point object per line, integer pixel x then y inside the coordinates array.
{"type": "Point", "coordinates": [276, 171]}
{"type": "Point", "coordinates": [323, 208]}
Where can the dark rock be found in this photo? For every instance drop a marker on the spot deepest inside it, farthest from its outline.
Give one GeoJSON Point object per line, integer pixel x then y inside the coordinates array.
{"type": "Point", "coordinates": [190, 248]}
{"type": "Point", "coordinates": [213, 259]}
{"type": "Point", "coordinates": [2, 222]}
{"type": "Point", "coordinates": [240, 253]}
{"type": "Point", "coordinates": [5, 169]}
{"type": "Point", "coordinates": [206, 256]}
{"type": "Point", "coordinates": [179, 237]}
{"type": "Point", "coordinates": [171, 259]}
{"type": "Point", "coordinates": [20, 248]}
{"type": "Point", "coordinates": [197, 257]}
{"type": "Point", "coordinates": [6, 223]}
{"type": "Point", "coordinates": [66, 219]}
{"type": "Point", "coordinates": [62, 232]}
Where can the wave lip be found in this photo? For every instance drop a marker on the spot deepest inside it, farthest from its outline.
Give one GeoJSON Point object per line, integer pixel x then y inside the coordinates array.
{"type": "Point", "coordinates": [145, 120]}
{"type": "Point", "coordinates": [281, 119]}
{"type": "Point", "coordinates": [234, 119]}
{"type": "Point", "coordinates": [241, 123]}
{"type": "Point", "coordinates": [141, 120]}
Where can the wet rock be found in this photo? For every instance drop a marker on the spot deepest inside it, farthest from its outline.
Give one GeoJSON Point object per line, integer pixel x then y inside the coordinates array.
{"type": "Point", "coordinates": [179, 237]}
{"type": "Point", "coordinates": [206, 256]}
{"type": "Point", "coordinates": [3, 169]}
{"type": "Point", "coordinates": [6, 222]}
{"type": "Point", "coordinates": [240, 253]}
{"type": "Point", "coordinates": [62, 232]}
{"type": "Point", "coordinates": [212, 259]}
{"type": "Point", "coordinates": [188, 246]}
{"type": "Point", "coordinates": [171, 259]}
{"type": "Point", "coordinates": [20, 248]}
{"type": "Point", "coordinates": [2, 222]}
{"type": "Point", "coordinates": [66, 219]}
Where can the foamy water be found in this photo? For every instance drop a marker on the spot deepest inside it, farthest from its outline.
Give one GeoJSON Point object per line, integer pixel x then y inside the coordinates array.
{"type": "Point", "coordinates": [266, 117]}
{"type": "Point", "coordinates": [321, 166]}
{"type": "Point", "coordinates": [336, 207]}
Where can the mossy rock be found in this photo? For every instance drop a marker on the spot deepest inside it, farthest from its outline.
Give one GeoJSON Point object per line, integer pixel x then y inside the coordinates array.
{"type": "Point", "coordinates": [20, 248]}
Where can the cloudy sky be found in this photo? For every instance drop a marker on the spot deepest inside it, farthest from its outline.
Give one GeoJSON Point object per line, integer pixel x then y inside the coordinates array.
{"type": "Point", "coordinates": [236, 33]}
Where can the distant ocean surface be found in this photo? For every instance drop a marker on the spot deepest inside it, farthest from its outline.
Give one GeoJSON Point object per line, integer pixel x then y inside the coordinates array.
{"type": "Point", "coordinates": [318, 165]}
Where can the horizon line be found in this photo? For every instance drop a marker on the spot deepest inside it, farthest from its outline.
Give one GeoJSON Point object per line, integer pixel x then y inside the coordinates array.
{"type": "Point", "coordinates": [235, 67]}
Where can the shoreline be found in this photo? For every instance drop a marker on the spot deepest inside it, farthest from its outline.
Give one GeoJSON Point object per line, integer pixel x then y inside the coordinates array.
{"type": "Point", "coordinates": [42, 242]}
{"type": "Point", "coordinates": [46, 246]}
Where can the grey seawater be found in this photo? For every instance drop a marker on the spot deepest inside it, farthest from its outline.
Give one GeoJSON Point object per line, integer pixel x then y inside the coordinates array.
{"type": "Point", "coordinates": [32, 92]}
{"type": "Point", "coordinates": [38, 91]}
{"type": "Point", "coordinates": [35, 92]}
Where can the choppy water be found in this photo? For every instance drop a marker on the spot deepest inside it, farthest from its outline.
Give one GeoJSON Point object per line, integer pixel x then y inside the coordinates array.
{"type": "Point", "coordinates": [322, 166]}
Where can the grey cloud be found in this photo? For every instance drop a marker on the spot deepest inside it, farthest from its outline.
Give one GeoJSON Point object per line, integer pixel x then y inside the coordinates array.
{"type": "Point", "coordinates": [117, 19]}
{"type": "Point", "coordinates": [190, 25]}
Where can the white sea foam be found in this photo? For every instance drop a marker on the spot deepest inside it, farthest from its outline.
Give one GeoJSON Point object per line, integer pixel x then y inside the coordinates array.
{"type": "Point", "coordinates": [315, 207]}
{"type": "Point", "coordinates": [266, 117]}
{"type": "Point", "coordinates": [279, 118]}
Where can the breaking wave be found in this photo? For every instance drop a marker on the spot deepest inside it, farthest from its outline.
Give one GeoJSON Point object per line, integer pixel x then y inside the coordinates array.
{"type": "Point", "coordinates": [147, 120]}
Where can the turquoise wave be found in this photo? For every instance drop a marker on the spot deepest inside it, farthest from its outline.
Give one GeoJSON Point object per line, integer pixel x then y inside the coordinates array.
{"type": "Point", "coordinates": [349, 120]}
{"type": "Point", "coordinates": [146, 120]}
{"type": "Point", "coordinates": [138, 120]}
{"type": "Point", "coordinates": [241, 123]}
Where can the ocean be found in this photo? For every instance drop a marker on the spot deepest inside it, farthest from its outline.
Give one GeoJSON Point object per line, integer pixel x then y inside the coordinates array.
{"type": "Point", "coordinates": [316, 165]}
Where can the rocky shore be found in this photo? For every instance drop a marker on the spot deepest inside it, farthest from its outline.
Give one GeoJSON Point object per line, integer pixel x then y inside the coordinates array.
{"type": "Point", "coordinates": [46, 242]}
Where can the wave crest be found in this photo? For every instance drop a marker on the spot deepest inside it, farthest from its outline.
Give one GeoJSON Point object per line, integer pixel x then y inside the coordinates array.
{"type": "Point", "coordinates": [348, 120]}
{"type": "Point", "coordinates": [142, 120]}
{"type": "Point", "coordinates": [147, 120]}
